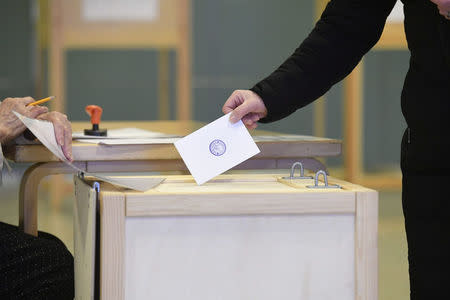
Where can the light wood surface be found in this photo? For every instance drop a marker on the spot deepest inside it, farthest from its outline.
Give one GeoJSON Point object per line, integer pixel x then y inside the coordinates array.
{"type": "Point", "coordinates": [353, 93]}
{"type": "Point", "coordinates": [184, 61]}
{"type": "Point", "coordinates": [80, 33]}
{"type": "Point", "coordinates": [112, 245]}
{"type": "Point", "coordinates": [366, 230]}
{"type": "Point", "coordinates": [270, 148]}
{"type": "Point", "coordinates": [84, 239]}
{"type": "Point", "coordinates": [163, 85]}
{"type": "Point", "coordinates": [237, 195]}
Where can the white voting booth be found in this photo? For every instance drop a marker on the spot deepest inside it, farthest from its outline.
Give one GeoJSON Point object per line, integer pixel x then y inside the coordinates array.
{"type": "Point", "coordinates": [246, 236]}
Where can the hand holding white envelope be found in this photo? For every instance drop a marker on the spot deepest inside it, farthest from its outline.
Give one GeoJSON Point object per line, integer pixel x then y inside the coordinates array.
{"type": "Point", "coordinates": [216, 148]}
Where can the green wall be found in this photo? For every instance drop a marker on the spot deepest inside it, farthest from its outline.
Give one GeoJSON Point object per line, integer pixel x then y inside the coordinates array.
{"type": "Point", "coordinates": [16, 49]}
{"type": "Point", "coordinates": [123, 82]}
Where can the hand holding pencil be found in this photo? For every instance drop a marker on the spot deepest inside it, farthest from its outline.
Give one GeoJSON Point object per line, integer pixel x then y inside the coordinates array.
{"type": "Point", "coordinates": [63, 129]}
{"type": "Point", "coordinates": [11, 126]}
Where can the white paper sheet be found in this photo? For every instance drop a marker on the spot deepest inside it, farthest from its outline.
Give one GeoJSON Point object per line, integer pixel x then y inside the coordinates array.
{"type": "Point", "coordinates": [130, 141]}
{"type": "Point", "coordinates": [216, 148]}
{"type": "Point", "coordinates": [123, 133]}
{"type": "Point", "coordinates": [45, 133]}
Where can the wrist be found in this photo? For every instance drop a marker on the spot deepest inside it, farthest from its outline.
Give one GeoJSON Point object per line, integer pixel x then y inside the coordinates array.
{"type": "Point", "coordinates": [3, 135]}
{"type": "Point", "coordinates": [262, 106]}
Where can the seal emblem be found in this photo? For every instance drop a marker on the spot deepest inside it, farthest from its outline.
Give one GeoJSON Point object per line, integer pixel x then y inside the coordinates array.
{"type": "Point", "coordinates": [217, 147]}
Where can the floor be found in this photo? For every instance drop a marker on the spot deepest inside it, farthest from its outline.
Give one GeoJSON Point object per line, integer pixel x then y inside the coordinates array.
{"type": "Point", "coordinates": [393, 267]}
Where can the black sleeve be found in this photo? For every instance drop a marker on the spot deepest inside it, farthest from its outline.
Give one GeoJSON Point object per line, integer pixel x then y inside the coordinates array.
{"type": "Point", "coordinates": [346, 31]}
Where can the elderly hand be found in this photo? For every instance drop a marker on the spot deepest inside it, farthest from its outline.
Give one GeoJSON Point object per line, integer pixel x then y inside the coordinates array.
{"type": "Point", "coordinates": [63, 131]}
{"type": "Point", "coordinates": [246, 106]}
{"type": "Point", "coordinates": [10, 125]}
{"type": "Point", "coordinates": [444, 7]}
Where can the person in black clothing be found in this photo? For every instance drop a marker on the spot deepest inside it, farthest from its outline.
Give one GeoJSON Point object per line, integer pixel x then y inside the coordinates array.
{"type": "Point", "coordinates": [33, 267]}
{"type": "Point", "coordinates": [346, 31]}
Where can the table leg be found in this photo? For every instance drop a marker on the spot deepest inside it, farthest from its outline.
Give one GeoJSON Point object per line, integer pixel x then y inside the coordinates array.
{"type": "Point", "coordinates": [28, 192]}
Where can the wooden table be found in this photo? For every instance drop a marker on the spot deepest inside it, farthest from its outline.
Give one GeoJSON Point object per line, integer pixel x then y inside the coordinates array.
{"type": "Point", "coordinates": [277, 152]}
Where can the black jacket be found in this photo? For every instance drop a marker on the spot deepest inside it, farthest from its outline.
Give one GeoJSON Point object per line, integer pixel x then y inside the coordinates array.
{"type": "Point", "coordinates": [346, 31]}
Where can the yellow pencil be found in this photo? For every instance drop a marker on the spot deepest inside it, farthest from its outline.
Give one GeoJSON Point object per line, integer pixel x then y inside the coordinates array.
{"type": "Point", "coordinates": [41, 101]}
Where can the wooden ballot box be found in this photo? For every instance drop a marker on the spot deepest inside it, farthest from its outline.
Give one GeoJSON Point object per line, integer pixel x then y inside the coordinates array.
{"type": "Point", "coordinates": [246, 236]}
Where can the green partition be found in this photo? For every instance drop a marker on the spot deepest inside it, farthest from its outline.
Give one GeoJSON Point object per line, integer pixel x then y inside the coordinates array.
{"type": "Point", "coordinates": [123, 82]}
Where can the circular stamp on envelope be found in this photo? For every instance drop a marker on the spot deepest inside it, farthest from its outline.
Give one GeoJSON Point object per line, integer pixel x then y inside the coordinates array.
{"type": "Point", "coordinates": [217, 147]}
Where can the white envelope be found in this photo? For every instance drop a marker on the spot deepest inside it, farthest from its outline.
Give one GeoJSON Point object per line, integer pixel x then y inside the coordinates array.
{"type": "Point", "coordinates": [216, 148]}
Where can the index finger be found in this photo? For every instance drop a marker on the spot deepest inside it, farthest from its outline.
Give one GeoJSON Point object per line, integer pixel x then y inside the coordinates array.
{"type": "Point", "coordinates": [67, 147]}
{"type": "Point", "coordinates": [24, 100]}
{"type": "Point", "coordinates": [232, 102]}
{"type": "Point", "coordinates": [228, 105]}
{"type": "Point", "coordinates": [226, 109]}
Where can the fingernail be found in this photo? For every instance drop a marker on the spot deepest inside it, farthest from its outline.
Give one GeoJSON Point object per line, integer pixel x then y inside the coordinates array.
{"type": "Point", "coordinates": [233, 118]}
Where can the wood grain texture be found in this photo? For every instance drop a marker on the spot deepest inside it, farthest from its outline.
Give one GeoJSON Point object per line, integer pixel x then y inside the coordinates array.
{"type": "Point", "coordinates": [163, 85]}
{"type": "Point", "coordinates": [112, 245]}
{"type": "Point", "coordinates": [159, 33]}
{"type": "Point", "coordinates": [184, 62]}
{"type": "Point", "coordinates": [84, 215]}
{"type": "Point", "coordinates": [271, 146]}
{"type": "Point", "coordinates": [353, 92]}
{"type": "Point", "coordinates": [366, 248]}
{"type": "Point", "coordinates": [263, 257]}
{"type": "Point", "coordinates": [236, 194]}
{"type": "Point", "coordinates": [238, 204]}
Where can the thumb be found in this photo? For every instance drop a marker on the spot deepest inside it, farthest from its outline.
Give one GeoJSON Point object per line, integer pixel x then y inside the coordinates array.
{"type": "Point", "coordinates": [239, 112]}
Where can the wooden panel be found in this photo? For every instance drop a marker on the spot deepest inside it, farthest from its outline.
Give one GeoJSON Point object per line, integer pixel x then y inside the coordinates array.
{"type": "Point", "coordinates": [353, 91]}
{"type": "Point", "coordinates": [84, 239]}
{"type": "Point", "coordinates": [271, 146]}
{"type": "Point", "coordinates": [250, 194]}
{"type": "Point", "coordinates": [287, 257]}
{"type": "Point", "coordinates": [163, 85]}
{"type": "Point", "coordinates": [112, 243]}
{"type": "Point", "coordinates": [79, 33]}
{"type": "Point", "coordinates": [366, 249]}
{"type": "Point", "coordinates": [238, 204]}
{"type": "Point", "coordinates": [184, 65]}
{"type": "Point", "coordinates": [56, 57]}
